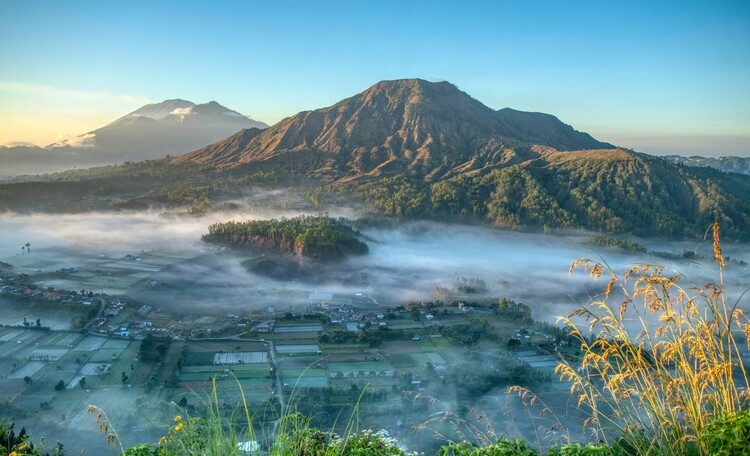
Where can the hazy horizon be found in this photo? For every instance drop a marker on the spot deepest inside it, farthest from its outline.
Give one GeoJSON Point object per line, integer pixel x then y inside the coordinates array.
{"type": "Point", "coordinates": [655, 144]}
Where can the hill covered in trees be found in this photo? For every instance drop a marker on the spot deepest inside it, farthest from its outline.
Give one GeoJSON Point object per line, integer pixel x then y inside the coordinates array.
{"type": "Point", "coordinates": [317, 237]}
{"type": "Point", "coordinates": [609, 191]}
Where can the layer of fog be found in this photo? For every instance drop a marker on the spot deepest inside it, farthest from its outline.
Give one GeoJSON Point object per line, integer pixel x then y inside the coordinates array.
{"type": "Point", "coordinates": [404, 264]}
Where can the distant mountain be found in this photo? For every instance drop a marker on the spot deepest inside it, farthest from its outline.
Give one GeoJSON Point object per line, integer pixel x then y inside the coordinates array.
{"type": "Point", "coordinates": [30, 159]}
{"type": "Point", "coordinates": [171, 127]}
{"type": "Point", "coordinates": [394, 127]}
{"type": "Point", "coordinates": [727, 164]}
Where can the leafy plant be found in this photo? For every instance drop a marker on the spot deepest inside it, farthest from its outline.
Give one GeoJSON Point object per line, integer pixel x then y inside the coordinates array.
{"type": "Point", "coordinates": [577, 449]}
{"type": "Point", "coordinates": [728, 435]}
{"type": "Point", "coordinates": [500, 448]}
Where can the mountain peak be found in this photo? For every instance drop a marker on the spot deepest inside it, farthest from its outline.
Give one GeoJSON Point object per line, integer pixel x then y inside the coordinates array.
{"type": "Point", "coordinates": [409, 83]}
{"type": "Point", "coordinates": [397, 126]}
{"type": "Point", "coordinates": [159, 111]}
{"type": "Point", "coordinates": [214, 108]}
{"type": "Point", "coordinates": [414, 91]}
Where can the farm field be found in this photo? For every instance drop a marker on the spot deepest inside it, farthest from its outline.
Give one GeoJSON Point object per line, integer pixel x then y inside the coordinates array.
{"type": "Point", "coordinates": [233, 367]}
{"type": "Point", "coordinates": [113, 272]}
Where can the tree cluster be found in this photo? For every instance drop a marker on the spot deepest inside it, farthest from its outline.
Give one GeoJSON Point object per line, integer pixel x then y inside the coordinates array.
{"type": "Point", "coordinates": [308, 235]}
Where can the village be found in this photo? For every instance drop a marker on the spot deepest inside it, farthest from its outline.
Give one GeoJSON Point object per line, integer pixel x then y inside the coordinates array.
{"type": "Point", "coordinates": [320, 357]}
{"type": "Point", "coordinates": [142, 363]}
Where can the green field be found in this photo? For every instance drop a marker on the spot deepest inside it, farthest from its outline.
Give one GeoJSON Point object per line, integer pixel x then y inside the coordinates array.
{"type": "Point", "coordinates": [402, 360]}
{"type": "Point", "coordinates": [342, 346]}
{"type": "Point", "coordinates": [310, 336]}
{"type": "Point", "coordinates": [105, 355]}
{"type": "Point", "coordinates": [227, 390]}
{"type": "Point", "coordinates": [116, 344]}
{"type": "Point", "coordinates": [250, 368]}
{"type": "Point", "coordinates": [405, 325]}
{"type": "Point", "coordinates": [440, 342]}
{"type": "Point", "coordinates": [425, 344]}
{"type": "Point", "coordinates": [304, 378]}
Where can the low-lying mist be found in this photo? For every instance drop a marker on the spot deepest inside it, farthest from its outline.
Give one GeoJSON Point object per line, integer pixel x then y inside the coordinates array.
{"type": "Point", "coordinates": [405, 263]}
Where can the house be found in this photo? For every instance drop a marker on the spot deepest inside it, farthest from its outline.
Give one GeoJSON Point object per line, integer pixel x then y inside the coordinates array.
{"type": "Point", "coordinates": [249, 447]}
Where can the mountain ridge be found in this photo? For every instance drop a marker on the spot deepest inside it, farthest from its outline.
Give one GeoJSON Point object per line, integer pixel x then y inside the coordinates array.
{"type": "Point", "coordinates": [409, 125]}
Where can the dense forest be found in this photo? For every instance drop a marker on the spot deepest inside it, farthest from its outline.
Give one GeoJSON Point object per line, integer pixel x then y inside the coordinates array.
{"type": "Point", "coordinates": [613, 192]}
{"type": "Point", "coordinates": [319, 237]}
{"type": "Point", "coordinates": [638, 195]}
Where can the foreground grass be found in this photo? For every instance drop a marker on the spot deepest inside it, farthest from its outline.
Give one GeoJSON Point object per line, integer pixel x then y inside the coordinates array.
{"type": "Point", "coordinates": [664, 364]}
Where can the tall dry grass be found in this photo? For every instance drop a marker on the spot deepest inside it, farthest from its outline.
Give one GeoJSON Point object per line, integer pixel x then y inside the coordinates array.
{"type": "Point", "coordinates": [653, 389]}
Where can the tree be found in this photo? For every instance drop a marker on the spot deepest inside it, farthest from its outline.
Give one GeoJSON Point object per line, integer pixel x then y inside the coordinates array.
{"type": "Point", "coordinates": [27, 380]}
{"type": "Point", "coordinates": [183, 402]}
{"type": "Point", "coordinates": [38, 322]}
{"type": "Point", "coordinates": [60, 386]}
{"type": "Point", "coordinates": [82, 383]}
{"type": "Point", "coordinates": [28, 248]}
{"type": "Point", "coordinates": [58, 450]}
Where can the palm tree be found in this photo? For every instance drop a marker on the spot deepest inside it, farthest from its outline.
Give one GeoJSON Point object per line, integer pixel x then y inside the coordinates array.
{"type": "Point", "coordinates": [28, 248]}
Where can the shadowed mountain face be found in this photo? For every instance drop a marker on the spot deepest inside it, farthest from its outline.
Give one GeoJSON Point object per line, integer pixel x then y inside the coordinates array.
{"type": "Point", "coordinates": [154, 131]}
{"type": "Point", "coordinates": [405, 126]}
{"type": "Point", "coordinates": [546, 129]}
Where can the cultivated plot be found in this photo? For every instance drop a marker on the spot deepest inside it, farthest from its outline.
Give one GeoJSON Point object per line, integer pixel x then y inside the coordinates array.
{"type": "Point", "coordinates": [90, 343]}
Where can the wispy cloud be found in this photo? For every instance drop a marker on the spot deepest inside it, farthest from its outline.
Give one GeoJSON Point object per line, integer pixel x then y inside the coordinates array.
{"type": "Point", "coordinates": [82, 141]}
{"type": "Point", "coordinates": [182, 112]}
{"type": "Point", "coordinates": [70, 94]}
{"type": "Point", "coordinates": [17, 144]}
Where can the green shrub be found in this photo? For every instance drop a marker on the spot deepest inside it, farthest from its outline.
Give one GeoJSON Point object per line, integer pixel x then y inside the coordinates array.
{"type": "Point", "coordinates": [299, 439]}
{"type": "Point", "coordinates": [500, 448]}
{"type": "Point", "coordinates": [141, 450]}
{"type": "Point", "coordinates": [576, 449]}
{"type": "Point", "coordinates": [728, 435]}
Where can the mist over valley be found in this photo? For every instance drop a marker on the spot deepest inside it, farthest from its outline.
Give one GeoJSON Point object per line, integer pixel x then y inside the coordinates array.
{"type": "Point", "coordinates": [409, 261]}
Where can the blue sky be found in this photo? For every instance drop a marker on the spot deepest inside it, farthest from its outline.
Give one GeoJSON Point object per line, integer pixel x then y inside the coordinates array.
{"type": "Point", "coordinates": [659, 77]}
